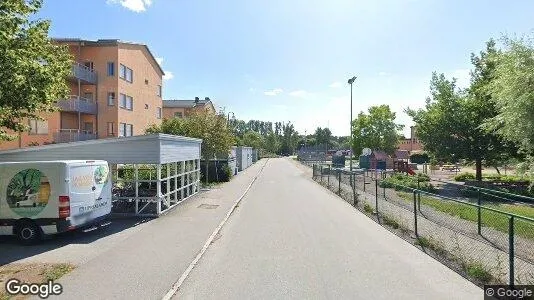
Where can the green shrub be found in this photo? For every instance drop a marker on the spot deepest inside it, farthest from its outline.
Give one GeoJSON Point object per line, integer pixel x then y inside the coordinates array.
{"type": "Point", "coordinates": [464, 177]}
{"type": "Point", "coordinates": [402, 182]}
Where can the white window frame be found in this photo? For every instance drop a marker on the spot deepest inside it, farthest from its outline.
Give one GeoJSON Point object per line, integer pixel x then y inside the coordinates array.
{"type": "Point", "coordinates": [159, 112]}
{"type": "Point", "coordinates": [122, 71]}
{"type": "Point", "coordinates": [38, 127]}
{"type": "Point", "coordinates": [111, 100]}
{"type": "Point", "coordinates": [122, 129]}
{"type": "Point", "coordinates": [129, 102]}
{"type": "Point", "coordinates": [129, 129]}
{"type": "Point", "coordinates": [158, 92]}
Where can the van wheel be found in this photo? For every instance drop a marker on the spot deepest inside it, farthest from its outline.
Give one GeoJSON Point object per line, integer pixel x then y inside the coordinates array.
{"type": "Point", "coordinates": [28, 233]}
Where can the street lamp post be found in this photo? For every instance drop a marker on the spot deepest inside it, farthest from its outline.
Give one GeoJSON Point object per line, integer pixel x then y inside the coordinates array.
{"type": "Point", "coordinates": [351, 81]}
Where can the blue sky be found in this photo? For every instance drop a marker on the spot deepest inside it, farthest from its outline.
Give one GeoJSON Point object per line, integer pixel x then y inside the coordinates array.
{"type": "Point", "coordinates": [289, 60]}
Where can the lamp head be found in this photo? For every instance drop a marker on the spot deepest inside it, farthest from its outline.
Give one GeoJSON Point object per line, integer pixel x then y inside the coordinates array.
{"type": "Point", "coordinates": [351, 80]}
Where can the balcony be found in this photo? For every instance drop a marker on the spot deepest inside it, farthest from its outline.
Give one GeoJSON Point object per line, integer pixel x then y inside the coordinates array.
{"type": "Point", "coordinates": [73, 135]}
{"type": "Point", "coordinates": [78, 104]}
{"type": "Point", "coordinates": [83, 73]}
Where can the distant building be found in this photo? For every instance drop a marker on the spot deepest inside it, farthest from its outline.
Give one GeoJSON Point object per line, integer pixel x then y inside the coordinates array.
{"type": "Point", "coordinates": [411, 144]}
{"type": "Point", "coordinates": [183, 108]}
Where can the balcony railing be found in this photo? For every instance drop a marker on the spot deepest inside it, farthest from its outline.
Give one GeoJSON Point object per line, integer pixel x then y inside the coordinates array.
{"type": "Point", "coordinates": [78, 104]}
{"type": "Point", "coordinates": [73, 135]}
{"type": "Point", "coordinates": [84, 73]}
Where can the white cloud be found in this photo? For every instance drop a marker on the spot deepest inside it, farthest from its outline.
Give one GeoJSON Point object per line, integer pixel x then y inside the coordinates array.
{"type": "Point", "coordinates": [159, 60]}
{"type": "Point", "coordinates": [252, 90]}
{"type": "Point", "coordinates": [463, 77]}
{"type": "Point", "coordinates": [300, 94]}
{"type": "Point", "coordinates": [168, 75]}
{"type": "Point", "coordinates": [383, 74]}
{"type": "Point", "coordinates": [335, 85]}
{"type": "Point", "coordinates": [133, 5]}
{"type": "Point", "coordinates": [273, 92]}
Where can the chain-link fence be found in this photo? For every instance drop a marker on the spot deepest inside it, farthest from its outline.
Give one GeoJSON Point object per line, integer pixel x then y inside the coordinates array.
{"type": "Point", "coordinates": [481, 242]}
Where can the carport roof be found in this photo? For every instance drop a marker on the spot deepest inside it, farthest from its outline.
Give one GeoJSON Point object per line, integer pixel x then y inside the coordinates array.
{"type": "Point", "coordinates": [148, 149]}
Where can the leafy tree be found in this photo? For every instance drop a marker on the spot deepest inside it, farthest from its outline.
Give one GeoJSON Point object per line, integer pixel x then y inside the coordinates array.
{"type": "Point", "coordinates": [272, 144]}
{"type": "Point", "coordinates": [253, 139]}
{"type": "Point", "coordinates": [376, 130]}
{"type": "Point", "coordinates": [216, 136]}
{"type": "Point", "coordinates": [512, 92]}
{"type": "Point", "coordinates": [323, 136]}
{"type": "Point", "coordinates": [33, 69]}
{"type": "Point", "coordinates": [449, 125]}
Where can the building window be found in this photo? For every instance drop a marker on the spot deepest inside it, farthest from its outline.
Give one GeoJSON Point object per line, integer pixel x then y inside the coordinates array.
{"type": "Point", "coordinates": [178, 114]}
{"type": "Point", "coordinates": [122, 103]}
{"type": "Point", "coordinates": [111, 129]}
{"type": "Point", "coordinates": [129, 103]}
{"type": "Point", "coordinates": [159, 91]}
{"type": "Point", "coordinates": [158, 113]}
{"type": "Point", "coordinates": [125, 129]}
{"type": "Point", "coordinates": [129, 130]}
{"type": "Point", "coordinates": [111, 68]}
{"type": "Point", "coordinates": [146, 106]}
{"type": "Point", "coordinates": [146, 81]}
{"type": "Point", "coordinates": [126, 102]}
{"type": "Point", "coordinates": [122, 71]}
{"type": "Point", "coordinates": [111, 98]}
{"type": "Point", "coordinates": [122, 129]}
{"type": "Point", "coordinates": [126, 73]}
{"type": "Point", "coordinates": [38, 127]}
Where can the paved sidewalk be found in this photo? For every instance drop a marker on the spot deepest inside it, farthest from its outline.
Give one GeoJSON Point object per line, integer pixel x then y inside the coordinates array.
{"type": "Point", "coordinates": [146, 264]}
{"type": "Point", "coordinates": [292, 239]}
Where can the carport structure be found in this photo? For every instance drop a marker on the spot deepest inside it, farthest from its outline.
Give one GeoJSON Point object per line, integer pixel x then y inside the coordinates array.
{"type": "Point", "coordinates": [150, 173]}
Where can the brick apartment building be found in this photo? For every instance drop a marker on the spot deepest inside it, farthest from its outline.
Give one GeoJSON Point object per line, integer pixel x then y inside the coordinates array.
{"type": "Point", "coordinates": [182, 108]}
{"type": "Point", "coordinates": [411, 144]}
{"type": "Point", "coordinates": [115, 90]}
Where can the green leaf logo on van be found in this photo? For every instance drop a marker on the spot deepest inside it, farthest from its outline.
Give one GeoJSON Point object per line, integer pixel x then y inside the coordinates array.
{"type": "Point", "coordinates": [28, 192]}
{"type": "Point", "coordinates": [101, 174]}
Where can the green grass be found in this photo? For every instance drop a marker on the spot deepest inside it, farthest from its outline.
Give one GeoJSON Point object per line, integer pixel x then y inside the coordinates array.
{"type": "Point", "coordinates": [368, 208]}
{"type": "Point", "coordinates": [478, 271]}
{"type": "Point", "coordinates": [56, 271]}
{"type": "Point", "coordinates": [491, 219]}
{"type": "Point", "coordinates": [390, 222]}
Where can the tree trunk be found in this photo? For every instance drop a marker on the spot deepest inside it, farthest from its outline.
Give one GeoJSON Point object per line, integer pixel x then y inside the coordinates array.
{"type": "Point", "coordinates": [478, 169]}
{"type": "Point", "coordinates": [497, 169]}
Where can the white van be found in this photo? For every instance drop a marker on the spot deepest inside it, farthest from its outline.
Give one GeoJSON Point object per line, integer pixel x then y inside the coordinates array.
{"type": "Point", "coordinates": [39, 198]}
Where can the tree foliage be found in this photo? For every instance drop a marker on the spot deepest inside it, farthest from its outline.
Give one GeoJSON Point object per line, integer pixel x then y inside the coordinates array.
{"type": "Point", "coordinates": [375, 130]}
{"type": "Point", "coordinates": [33, 69]}
{"type": "Point", "coordinates": [253, 139]}
{"type": "Point", "coordinates": [217, 138]}
{"type": "Point", "coordinates": [450, 124]}
{"type": "Point", "coordinates": [323, 136]}
{"type": "Point", "coordinates": [512, 92]}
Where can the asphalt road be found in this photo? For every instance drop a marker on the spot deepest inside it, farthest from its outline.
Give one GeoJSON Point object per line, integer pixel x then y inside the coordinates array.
{"type": "Point", "coordinates": [292, 239]}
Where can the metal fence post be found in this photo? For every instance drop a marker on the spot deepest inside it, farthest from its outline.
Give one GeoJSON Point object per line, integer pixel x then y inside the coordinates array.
{"type": "Point", "coordinates": [511, 249]}
{"type": "Point", "coordinates": [415, 213]}
{"type": "Point", "coordinates": [355, 201]}
{"type": "Point", "coordinates": [376, 195]}
{"type": "Point", "coordinates": [364, 181]}
{"type": "Point", "coordinates": [328, 182]}
{"type": "Point", "coordinates": [339, 182]}
{"type": "Point", "coordinates": [479, 213]}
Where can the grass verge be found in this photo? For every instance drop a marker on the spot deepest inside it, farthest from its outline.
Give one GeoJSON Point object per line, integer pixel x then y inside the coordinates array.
{"type": "Point", "coordinates": [491, 219]}
{"type": "Point", "coordinates": [31, 273]}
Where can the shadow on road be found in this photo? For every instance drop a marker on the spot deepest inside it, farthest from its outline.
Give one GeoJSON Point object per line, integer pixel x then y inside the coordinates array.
{"type": "Point", "coordinates": [11, 250]}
